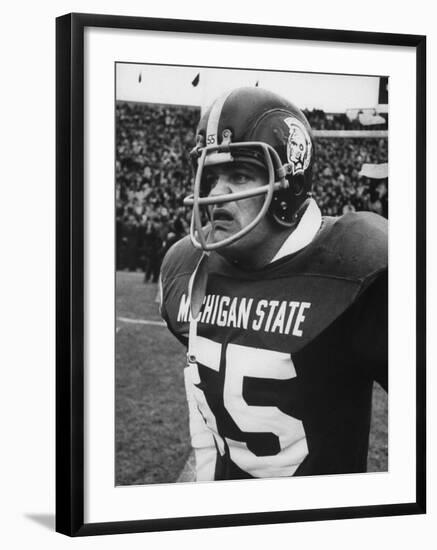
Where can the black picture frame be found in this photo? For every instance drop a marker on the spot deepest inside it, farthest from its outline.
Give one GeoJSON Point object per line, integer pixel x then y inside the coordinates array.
{"type": "Point", "coordinates": [70, 272]}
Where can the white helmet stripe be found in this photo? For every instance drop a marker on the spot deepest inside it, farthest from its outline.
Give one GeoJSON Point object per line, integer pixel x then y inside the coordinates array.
{"type": "Point", "coordinates": [214, 119]}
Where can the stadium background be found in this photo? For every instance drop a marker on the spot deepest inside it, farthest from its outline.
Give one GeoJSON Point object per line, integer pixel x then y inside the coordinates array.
{"type": "Point", "coordinates": [153, 175]}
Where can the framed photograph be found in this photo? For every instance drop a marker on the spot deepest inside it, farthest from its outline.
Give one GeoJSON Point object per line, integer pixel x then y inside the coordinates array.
{"type": "Point", "coordinates": [240, 274]}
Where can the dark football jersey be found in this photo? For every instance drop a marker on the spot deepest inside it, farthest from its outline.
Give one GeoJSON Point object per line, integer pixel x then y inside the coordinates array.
{"type": "Point", "coordinates": [282, 360]}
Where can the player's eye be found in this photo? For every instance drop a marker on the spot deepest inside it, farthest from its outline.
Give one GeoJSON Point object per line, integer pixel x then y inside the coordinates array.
{"type": "Point", "coordinates": [241, 177]}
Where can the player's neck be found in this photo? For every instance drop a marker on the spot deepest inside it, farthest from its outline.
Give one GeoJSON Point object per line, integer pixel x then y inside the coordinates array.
{"type": "Point", "coordinates": [266, 253]}
{"type": "Point", "coordinates": [262, 256]}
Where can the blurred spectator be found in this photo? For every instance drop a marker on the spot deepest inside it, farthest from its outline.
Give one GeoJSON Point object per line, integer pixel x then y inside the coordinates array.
{"type": "Point", "coordinates": [336, 175]}
{"type": "Point", "coordinates": [152, 250]}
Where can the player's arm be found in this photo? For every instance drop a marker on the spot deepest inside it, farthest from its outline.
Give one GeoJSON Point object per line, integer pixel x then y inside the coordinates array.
{"type": "Point", "coordinates": [202, 439]}
{"type": "Point", "coordinates": [370, 333]}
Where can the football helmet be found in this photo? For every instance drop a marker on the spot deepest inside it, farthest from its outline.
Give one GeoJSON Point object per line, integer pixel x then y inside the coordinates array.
{"type": "Point", "coordinates": [256, 126]}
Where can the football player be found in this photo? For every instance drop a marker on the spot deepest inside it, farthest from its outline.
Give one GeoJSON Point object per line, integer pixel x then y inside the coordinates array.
{"type": "Point", "coordinates": [283, 311]}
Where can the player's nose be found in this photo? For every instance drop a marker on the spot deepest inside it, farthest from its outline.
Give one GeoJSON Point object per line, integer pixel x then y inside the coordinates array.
{"type": "Point", "coordinates": [220, 186]}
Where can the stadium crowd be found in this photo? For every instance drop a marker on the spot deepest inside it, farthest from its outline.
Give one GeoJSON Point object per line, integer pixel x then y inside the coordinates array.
{"type": "Point", "coordinates": [153, 175]}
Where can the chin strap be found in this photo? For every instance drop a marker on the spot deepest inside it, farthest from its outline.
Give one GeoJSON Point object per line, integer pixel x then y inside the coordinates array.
{"type": "Point", "coordinates": [197, 285]}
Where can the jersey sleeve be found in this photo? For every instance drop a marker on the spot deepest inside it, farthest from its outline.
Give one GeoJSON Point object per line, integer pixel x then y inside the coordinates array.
{"type": "Point", "coordinates": [176, 270]}
{"type": "Point", "coordinates": [164, 315]}
{"type": "Point", "coordinates": [370, 333]}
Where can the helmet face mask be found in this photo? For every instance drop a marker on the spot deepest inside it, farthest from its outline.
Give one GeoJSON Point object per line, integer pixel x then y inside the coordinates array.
{"type": "Point", "coordinates": [252, 125]}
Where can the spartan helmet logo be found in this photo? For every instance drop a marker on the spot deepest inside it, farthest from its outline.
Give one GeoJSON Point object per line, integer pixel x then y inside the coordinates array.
{"type": "Point", "coordinates": [298, 146]}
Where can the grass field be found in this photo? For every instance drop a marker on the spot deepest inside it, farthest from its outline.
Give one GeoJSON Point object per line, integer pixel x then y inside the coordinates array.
{"type": "Point", "coordinates": [151, 423]}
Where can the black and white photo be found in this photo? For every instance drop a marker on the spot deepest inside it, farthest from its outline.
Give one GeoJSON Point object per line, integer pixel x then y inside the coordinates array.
{"type": "Point", "coordinates": [268, 221]}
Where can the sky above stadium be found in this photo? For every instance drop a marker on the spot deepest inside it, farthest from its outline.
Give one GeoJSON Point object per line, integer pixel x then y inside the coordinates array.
{"type": "Point", "coordinates": [174, 85]}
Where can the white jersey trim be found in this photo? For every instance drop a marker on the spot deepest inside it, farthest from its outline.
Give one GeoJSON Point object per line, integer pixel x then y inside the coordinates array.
{"type": "Point", "coordinates": [304, 233]}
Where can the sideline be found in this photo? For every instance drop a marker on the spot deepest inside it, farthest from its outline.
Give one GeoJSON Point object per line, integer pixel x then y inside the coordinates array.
{"type": "Point", "coordinates": [141, 322]}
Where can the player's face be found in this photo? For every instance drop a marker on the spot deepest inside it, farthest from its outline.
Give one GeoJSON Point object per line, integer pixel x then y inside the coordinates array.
{"type": "Point", "coordinates": [230, 217]}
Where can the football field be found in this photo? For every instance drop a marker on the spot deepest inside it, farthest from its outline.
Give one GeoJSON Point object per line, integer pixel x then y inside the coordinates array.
{"type": "Point", "coordinates": [151, 417]}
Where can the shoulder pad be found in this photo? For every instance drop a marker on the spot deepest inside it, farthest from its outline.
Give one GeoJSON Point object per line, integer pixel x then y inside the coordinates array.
{"type": "Point", "coordinates": [180, 259]}
{"type": "Point", "coordinates": [354, 246]}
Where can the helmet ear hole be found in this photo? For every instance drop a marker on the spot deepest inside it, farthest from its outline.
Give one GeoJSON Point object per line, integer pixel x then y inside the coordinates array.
{"type": "Point", "coordinates": [281, 210]}
{"type": "Point", "coordinates": [286, 203]}
{"type": "Point", "coordinates": [297, 185]}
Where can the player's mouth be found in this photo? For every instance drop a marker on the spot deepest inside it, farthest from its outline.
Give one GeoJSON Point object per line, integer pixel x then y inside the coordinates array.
{"type": "Point", "coordinates": [222, 218]}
